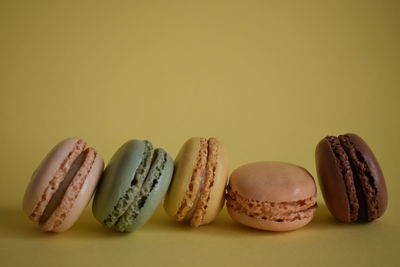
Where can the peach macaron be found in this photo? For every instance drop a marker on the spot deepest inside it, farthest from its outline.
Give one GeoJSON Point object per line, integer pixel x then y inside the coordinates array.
{"type": "Point", "coordinates": [272, 196]}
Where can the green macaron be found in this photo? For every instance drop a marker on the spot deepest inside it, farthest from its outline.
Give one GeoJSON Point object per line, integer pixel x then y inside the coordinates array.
{"type": "Point", "coordinates": [133, 185]}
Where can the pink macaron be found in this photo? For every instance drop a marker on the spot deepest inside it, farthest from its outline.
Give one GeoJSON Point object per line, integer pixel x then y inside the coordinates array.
{"type": "Point", "coordinates": [272, 196]}
{"type": "Point", "coordinates": [62, 185]}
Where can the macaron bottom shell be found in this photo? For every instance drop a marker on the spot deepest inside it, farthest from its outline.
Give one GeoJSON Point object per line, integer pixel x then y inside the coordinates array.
{"type": "Point", "coordinates": [265, 224]}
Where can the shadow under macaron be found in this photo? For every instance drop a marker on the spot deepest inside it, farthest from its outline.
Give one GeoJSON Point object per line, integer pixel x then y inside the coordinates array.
{"type": "Point", "coordinates": [223, 225]}
{"type": "Point", "coordinates": [15, 224]}
{"type": "Point", "coordinates": [88, 227]}
{"type": "Point", "coordinates": [324, 220]}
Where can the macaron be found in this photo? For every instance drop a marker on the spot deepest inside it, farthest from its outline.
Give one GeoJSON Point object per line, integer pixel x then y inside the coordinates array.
{"type": "Point", "coordinates": [133, 185]}
{"type": "Point", "coordinates": [351, 180]}
{"type": "Point", "coordinates": [62, 185]}
{"type": "Point", "coordinates": [196, 194]}
{"type": "Point", "coordinates": [272, 196]}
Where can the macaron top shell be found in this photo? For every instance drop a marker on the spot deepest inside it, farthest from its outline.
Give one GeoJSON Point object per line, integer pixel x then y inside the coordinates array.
{"type": "Point", "coordinates": [117, 178]}
{"type": "Point", "coordinates": [273, 182]}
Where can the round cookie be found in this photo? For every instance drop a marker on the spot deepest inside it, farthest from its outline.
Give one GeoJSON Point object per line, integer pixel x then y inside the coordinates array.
{"type": "Point", "coordinates": [196, 194]}
{"type": "Point", "coordinates": [351, 180]}
{"type": "Point", "coordinates": [62, 185]}
{"type": "Point", "coordinates": [272, 196]}
{"type": "Point", "coordinates": [133, 185]}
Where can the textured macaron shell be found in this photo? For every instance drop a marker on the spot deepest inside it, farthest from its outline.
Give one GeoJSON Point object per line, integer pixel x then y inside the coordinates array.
{"type": "Point", "coordinates": [268, 224]}
{"type": "Point", "coordinates": [272, 181]}
{"type": "Point", "coordinates": [155, 196]}
{"type": "Point", "coordinates": [374, 170]}
{"type": "Point", "coordinates": [216, 196]}
{"type": "Point", "coordinates": [117, 178]}
{"type": "Point", "coordinates": [44, 174]}
{"type": "Point", "coordinates": [71, 208]}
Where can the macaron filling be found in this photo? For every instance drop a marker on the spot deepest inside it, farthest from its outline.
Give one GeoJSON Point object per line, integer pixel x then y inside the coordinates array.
{"type": "Point", "coordinates": [287, 211]}
{"type": "Point", "coordinates": [150, 182]}
{"type": "Point", "coordinates": [343, 163]}
{"type": "Point", "coordinates": [71, 194]}
{"type": "Point", "coordinates": [190, 213]}
{"type": "Point", "coordinates": [194, 204]}
{"type": "Point", "coordinates": [361, 190]}
{"type": "Point", "coordinates": [59, 194]}
{"type": "Point", "coordinates": [130, 195]}
{"type": "Point", "coordinates": [365, 185]}
{"type": "Point", "coordinates": [211, 166]}
{"type": "Point", "coordinates": [57, 179]}
{"type": "Point", "coordinates": [187, 207]}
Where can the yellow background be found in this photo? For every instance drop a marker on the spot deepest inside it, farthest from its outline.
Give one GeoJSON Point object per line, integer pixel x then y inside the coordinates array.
{"type": "Point", "coordinates": [268, 78]}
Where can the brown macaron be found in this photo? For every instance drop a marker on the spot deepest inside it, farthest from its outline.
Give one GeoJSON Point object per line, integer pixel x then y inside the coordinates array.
{"type": "Point", "coordinates": [350, 178]}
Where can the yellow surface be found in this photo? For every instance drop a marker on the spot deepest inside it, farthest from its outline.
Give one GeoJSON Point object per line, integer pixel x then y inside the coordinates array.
{"type": "Point", "coordinates": [268, 78]}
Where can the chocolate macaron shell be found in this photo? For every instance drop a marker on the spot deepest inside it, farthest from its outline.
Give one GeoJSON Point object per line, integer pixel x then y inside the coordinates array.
{"type": "Point", "coordinates": [332, 182]}
{"type": "Point", "coordinates": [376, 189]}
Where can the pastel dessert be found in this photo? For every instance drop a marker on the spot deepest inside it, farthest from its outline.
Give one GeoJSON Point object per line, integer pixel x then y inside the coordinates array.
{"type": "Point", "coordinates": [272, 196]}
{"type": "Point", "coordinates": [350, 178]}
{"type": "Point", "coordinates": [196, 194]}
{"type": "Point", "coordinates": [62, 185]}
{"type": "Point", "coordinates": [133, 185]}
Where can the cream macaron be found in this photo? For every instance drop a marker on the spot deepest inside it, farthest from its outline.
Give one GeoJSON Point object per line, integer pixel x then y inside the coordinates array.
{"type": "Point", "coordinates": [62, 185]}
{"type": "Point", "coordinates": [196, 193]}
{"type": "Point", "coordinates": [271, 196]}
